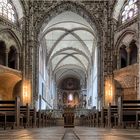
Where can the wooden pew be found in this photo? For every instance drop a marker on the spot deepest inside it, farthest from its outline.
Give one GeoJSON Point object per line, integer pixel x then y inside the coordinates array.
{"type": "Point", "coordinates": [137, 119]}
{"type": "Point", "coordinates": [51, 119]}
{"type": "Point", "coordinates": [82, 117]}
{"type": "Point", "coordinates": [40, 118]}
{"type": "Point", "coordinates": [25, 113]}
{"type": "Point", "coordinates": [127, 112]}
{"type": "Point", "coordinates": [3, 119]}
{"type": "Point", "coordinates": [93, 119]}
{"type": "Point", "coordinates": [90, 119]}
{"type": "Point", "coordinates": [46, 119]}
{"type": "Point", "coordinates": [97, 118]}
{"type": "Point", "coordinates": [103, 117]}
{"type": "Point", "coordinates": [10, 113]}
{"type": "Point", "coordinates": [111, 115]}
{"type": "Point", "coordinates": [33, 116]}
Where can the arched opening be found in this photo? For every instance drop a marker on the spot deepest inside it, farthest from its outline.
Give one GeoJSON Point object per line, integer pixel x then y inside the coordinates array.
{"type": "Point", "coordinates": [133, 53]}
{"type": "Point", "coordinates": [2, 53]}
{"type": "Point", "coordinates": [7, 86]}
{"type": "Point", "coordinates": [69, 44]}
{"type": "Point", "coordinates": [123, 57]}
{"type": "Point", "coordinates": [12, 58]}
{"type": "Point", "coordinates": [69, 92]}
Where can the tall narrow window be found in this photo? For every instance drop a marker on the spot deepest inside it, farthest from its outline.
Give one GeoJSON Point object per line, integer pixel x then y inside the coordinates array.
{"type": "Point", "coordinates": [133, 53]}
{"type": "Point", "coordinates": [7, 10]}
{"type": "Point", "coordinates": [2, 53]}
{"type": "Point", "coordinates": [130, 10]}
{"type": "Point", "coordinates": [70, 97]}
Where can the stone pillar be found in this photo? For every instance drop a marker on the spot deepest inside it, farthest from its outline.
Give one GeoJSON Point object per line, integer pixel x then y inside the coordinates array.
{"type": "Point", "coordinates": [119, 61]}
{"type": "Point", "coordinates": [6, 57]}
{"type": "Point", "coordinates": [128, 56]}
{"type": "Point", "coordinates": [115, 61]}
{"type": "Point", "coordinates": [17, 61]}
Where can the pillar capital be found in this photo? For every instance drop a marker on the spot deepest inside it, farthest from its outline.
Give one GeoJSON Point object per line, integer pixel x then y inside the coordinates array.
{"type": "Point", "coordinates": [7, 50]}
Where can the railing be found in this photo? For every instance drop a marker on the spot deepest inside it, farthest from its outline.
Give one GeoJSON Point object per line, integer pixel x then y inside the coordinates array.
{"type": "Point", "coordinates": [56, 113]}
{"type": "Point", "coordinates": [80, 112]}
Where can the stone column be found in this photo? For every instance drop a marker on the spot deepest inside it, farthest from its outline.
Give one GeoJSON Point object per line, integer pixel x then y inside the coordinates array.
{"type": "Point", "coordinates": [17, 61]}
{"type": "Point", "coordinates": [119, 61]}
{"type": "Point", "coordinates": [128, 56]}
{"type": "Point", "coordinates": [138, 45]}
{"type": "Point", "coordinates": [6, 57]}
{"type": "Point", "coordinates": [115, 61]}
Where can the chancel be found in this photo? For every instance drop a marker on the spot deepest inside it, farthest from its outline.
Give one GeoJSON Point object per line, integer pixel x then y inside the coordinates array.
{"type": "Point", "coordinates": [69, 69]}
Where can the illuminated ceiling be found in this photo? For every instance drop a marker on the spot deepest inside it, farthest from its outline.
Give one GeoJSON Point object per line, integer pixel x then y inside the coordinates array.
{"type": "Point", "coordinates": [70, 43]}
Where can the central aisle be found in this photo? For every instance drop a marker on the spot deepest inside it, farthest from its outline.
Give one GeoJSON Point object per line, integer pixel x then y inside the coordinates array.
{"type": "Point", "coordinates": [78, 133]}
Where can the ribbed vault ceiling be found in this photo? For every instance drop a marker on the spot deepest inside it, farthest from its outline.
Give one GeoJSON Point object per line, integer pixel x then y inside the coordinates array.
{"type": "Point", "coordinates": [69, 41]}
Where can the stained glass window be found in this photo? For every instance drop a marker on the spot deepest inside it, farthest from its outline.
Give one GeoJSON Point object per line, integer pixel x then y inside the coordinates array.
{"type": "Point", "coordinates": [70, 97]}
{"type": "Point", "coordinates": [7, 10]}
{"type": "Point", "coordinates": [130, 10]}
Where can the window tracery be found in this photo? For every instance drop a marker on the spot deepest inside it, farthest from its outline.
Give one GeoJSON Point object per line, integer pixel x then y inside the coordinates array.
{"type": "Point", "coordinates": [130, 10]}
{"type": "Point", "coordinates": [7, 10]}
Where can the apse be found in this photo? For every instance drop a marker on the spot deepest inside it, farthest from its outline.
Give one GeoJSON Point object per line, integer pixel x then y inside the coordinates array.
{"type": "Point", "coordinates": [69, 93]}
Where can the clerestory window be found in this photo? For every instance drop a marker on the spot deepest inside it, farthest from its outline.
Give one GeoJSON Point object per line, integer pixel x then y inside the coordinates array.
{"type": "Point", "coordinates": [130, 10]}
{"type": "Point", "coordinates": [7, 10]}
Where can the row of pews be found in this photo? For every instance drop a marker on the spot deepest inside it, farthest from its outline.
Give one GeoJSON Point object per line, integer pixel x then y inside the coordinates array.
{"type": "Point", "coordinates": [14, 115]}
{"type": "Point", "coordinates": [126, 114]}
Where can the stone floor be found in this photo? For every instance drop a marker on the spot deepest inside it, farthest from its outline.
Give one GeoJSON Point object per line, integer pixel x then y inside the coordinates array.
{"type": "Point", "coordinates": [78, 133]}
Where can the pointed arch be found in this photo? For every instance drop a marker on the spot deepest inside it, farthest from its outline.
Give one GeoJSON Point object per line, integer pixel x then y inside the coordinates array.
{"type": "Point", "coordinates": [15, 37]}
{"type": "Point", "coordinates": [71, 66]}
{"type": "Point", "coordinates": [69, 48]}
{"type": "Point", "coordinates": [72, 6]}
{"type": "Point", "coordinates": [76, 74]}
{"type": "Point", "coordinates": [120, 38]}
